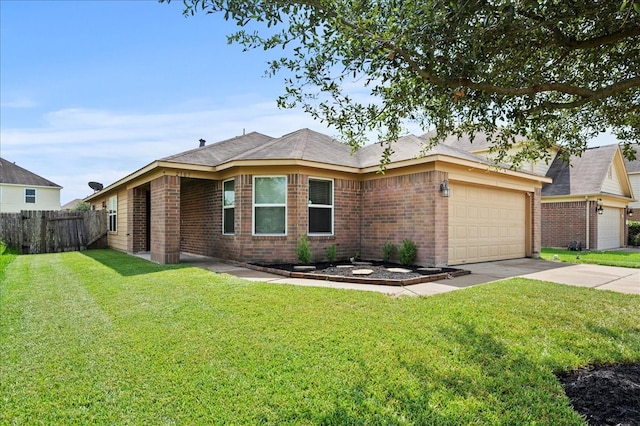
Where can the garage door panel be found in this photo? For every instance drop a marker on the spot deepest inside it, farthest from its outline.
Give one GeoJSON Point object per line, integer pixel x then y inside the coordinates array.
{"type": "Point", "coordinates": [609, 225]}
{"type": "Point", "coordinates": [485, 224]}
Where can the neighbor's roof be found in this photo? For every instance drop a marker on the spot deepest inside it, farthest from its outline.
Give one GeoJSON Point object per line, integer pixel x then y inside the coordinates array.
{"type": "Point", "coordinates": [585, 175]}
{"type": "Point", "coordinates": [13, 174]}
{"type": "Point", "coordinates": [634, 166]}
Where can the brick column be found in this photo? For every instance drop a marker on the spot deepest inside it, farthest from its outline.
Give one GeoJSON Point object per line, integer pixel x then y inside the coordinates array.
{"type": "Point", "coordinates": [136, 220]}
{"type": "Point", "coordinates": [440, 220]}
{"type": "Point", "coordinates": [536, 223]}
{"type": "Point", "coordinates": [165, 219]}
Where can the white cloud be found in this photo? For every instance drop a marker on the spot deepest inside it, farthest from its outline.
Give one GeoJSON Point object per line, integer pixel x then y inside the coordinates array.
{"type": "Point", "coordinates": [78, 145]}
{"type": "Point", "coordinates": [21, 102]}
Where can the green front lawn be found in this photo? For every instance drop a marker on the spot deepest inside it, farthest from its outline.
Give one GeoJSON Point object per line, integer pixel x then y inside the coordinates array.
{"type": "Point", "coordinates": [627, 259]}
{"type": "Point", "coordinates": [101, 337]}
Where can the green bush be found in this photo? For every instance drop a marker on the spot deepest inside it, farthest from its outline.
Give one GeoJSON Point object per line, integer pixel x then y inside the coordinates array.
{"type": "Point", "coordinates": [634, 234]}
{"type": "Point", "coordinates": [303, 250]}
{"type": "Point", "coordinates": [389, 252]}
{"type": "Point", "coordinates": [331, 253]}
{"type": "Point", "coordinates": [408, 252]}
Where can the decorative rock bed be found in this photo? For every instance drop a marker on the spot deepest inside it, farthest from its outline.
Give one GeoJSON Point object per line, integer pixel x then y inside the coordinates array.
{"type": "Point", "coordinates": [363, 273]}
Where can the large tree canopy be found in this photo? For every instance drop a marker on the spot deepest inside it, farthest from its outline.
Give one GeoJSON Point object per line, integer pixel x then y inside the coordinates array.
{"type": "Point", "coordinates": [555, 71]}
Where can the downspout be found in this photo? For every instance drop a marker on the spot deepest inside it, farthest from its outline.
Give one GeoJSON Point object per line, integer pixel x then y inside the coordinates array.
{"type": "Point", "coordinates": [588, 220]}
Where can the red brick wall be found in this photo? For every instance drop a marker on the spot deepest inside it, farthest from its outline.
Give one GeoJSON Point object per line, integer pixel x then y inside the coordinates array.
{"type": "Point", "coordinates": [200, 216]}
{"type": "Point", "coordinates": [565, 222]}
{"type": "Point", "coordinates": [272, 249]}
{"type": "Point", "coordinates": [137, 220]}
{"type": "Point", "coordinates": [165, 219]}
{"type": "Point", "coordinates": [406, 207]}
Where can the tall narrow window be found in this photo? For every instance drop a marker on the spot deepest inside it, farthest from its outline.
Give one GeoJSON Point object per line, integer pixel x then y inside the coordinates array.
{"type": "Point", "coordinates": [228, 207]}
{"type": "Point", "coordinates": [113, 213]}
{"type": "Point", "coordinates": [30, 196]}
{"type": "Point", "coordinates": [270, 205]}
{"type": "Point", "coordinates": [320, 206]}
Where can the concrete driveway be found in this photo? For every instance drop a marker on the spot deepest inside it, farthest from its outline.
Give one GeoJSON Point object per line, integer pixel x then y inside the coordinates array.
{"type": "Point", "coordinates": [624, 280]}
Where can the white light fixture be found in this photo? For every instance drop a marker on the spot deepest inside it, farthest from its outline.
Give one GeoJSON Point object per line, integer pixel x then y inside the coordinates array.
{"type": "Point", "coordinates": [599, 208]}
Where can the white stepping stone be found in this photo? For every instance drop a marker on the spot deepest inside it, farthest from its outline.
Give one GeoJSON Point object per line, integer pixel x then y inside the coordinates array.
{"type": "Point", "coordinates": [362, 272]}
{"type": "Point", "coordinates": [399, 270]}
{"type": "Point", "coordinates": [304, 268]}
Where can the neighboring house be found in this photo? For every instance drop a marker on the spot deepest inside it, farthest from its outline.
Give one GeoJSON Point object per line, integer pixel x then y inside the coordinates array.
{"type": "Point", "coordinates": [21, 189]}
{"type": "Point", "coordinates": [633, 170]}
{"type": "Point", "coordinates": [586, 203]}
{"type": "Point", "coordinates": [71, 205]}
{"type": "Point", "coordinates": [252, 197]}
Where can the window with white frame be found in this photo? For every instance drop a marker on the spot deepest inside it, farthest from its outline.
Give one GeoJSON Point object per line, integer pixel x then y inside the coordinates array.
{"type": "Point", "coordinates": [228, 206]}
{"type": "Point", "coordinates": [30, 196]}
{"type": "Point", "coordinates": [113, 213]}
{"type": "Point", "coordinates": [269, 205]}
{"type": "Point", "coordinates": [320, 206]}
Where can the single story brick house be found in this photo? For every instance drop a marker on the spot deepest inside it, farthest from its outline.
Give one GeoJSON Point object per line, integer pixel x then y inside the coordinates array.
{"type": "Point", "coordinates": [588, 199]}
{"type": "Point", "coordinates": [250, 198]}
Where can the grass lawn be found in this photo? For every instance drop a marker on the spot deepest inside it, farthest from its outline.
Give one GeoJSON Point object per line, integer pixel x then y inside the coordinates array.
{"type": "Point", "coordinates": [101, 337]}
{"type": "Point", "coordinates": [625, 259]}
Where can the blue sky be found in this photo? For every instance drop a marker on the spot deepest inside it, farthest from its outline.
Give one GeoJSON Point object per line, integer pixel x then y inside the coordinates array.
{"type": "Point", "coordinates": [94, 90]}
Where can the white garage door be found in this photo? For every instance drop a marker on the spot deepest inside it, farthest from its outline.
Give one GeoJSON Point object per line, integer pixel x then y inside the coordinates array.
{"type": "Point", "coordinates": [486, 224]}
{"type": "Point", "coordinates": [609, 229]}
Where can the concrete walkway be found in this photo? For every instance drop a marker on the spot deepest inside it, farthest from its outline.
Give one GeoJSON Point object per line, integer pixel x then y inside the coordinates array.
{"type": "Point", "coordinates": [624, 280]}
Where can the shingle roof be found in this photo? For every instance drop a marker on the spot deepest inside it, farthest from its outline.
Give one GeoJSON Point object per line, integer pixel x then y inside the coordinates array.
{"type": "Point", "coordinates": [479, 143]}
{"type": "Point", "coordinates": [303, 144]}
{"type": "Point", "coordinates": [221, 152]}
{"type": "Point", "coordinates": [585, 175]}
{"type": "Point", "coordinates": [633, 166]}
{"type": "Point", "coordinates": [306, 144]}
{"type": "Point", "coordinates": [410, 146]}
{"type": "Point", "coordinates": [14, 174]}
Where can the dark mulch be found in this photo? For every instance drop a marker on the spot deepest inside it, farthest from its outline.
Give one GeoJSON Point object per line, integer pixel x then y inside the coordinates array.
{"type": "Point", "coordinates": [605, 395]}
{"type": "Point", "coordinates": [380, 269]}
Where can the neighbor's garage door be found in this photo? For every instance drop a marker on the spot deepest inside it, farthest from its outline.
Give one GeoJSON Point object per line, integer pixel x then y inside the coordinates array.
{"type": "Point", "coordinates": [486, 224]}
{"type": "Point", "coordinates": [609, 229]}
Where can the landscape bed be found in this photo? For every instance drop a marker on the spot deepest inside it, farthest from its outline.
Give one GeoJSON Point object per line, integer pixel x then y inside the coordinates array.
{"type": "Point", "coordinates": [380, 273]}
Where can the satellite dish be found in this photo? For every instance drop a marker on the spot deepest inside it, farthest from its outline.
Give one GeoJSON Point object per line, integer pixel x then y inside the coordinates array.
{"type": "Point", "coordinates": [96, 186]}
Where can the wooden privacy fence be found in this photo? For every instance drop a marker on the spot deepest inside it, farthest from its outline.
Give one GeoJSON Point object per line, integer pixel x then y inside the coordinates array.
{"type": "Point", "coordinates": [52, 231]}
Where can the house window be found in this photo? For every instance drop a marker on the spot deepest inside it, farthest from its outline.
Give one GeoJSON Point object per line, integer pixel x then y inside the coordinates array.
{"type": "Point", "coordinates": [113, 213]}
{"type": "Point", "coordinates": [320, 206]}
{"type": "Point", "coordinates": [30, 196]}
{"type": "Point", "coordinates": [228, 207]}
{"type": "Point", "coordinates": [270, 205]}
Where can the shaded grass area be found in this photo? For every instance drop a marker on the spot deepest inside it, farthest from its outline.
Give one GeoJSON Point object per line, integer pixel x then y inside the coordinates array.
{"type": "Point", "coordinates": [626, 259]}
{"type": "Point", "coordinates": [84, 341]}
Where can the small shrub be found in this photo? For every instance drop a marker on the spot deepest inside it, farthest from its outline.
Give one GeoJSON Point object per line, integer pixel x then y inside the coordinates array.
{"type": "Point", "coordinates": [634, 234]}
{"type": "Point", "coordinates": [331, 253]}
{"type": "Point", "coordinates": [83, 207]}
{"type": "Point", "coordinates": [408, 252]}
{"type": "Point", "coordinates": [303, 250]}
{"type": "Point", "coordinates": [389, 252]}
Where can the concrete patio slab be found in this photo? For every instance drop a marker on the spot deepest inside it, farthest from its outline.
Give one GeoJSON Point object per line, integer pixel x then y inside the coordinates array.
{"type": "Point", "coordinates": [594, 276]}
